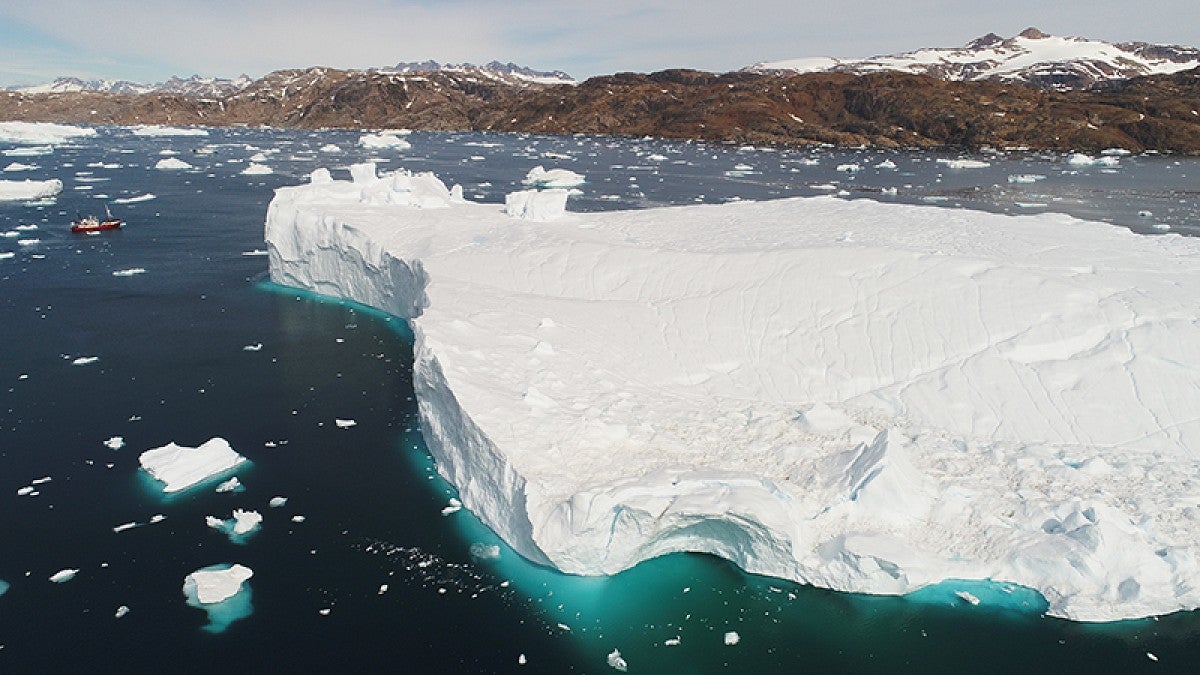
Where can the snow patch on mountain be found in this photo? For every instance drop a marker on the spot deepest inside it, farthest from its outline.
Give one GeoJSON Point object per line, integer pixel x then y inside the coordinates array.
{"type": "Point", "coordinates": [1031, 57]}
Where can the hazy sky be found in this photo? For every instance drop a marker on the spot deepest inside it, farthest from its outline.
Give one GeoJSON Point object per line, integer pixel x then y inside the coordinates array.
{"type": "Point", "coordinates": [150, 40]}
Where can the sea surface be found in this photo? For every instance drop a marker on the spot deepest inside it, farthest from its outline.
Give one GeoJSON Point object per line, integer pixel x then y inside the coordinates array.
{"type": "Point", "coordinates": [168, 330]}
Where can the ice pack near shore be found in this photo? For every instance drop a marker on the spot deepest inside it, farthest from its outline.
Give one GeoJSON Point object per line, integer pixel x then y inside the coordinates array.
{"type": "Point", "coordinates": [179, 467]}
{"type": "Point", "coordinates": [946, 394]}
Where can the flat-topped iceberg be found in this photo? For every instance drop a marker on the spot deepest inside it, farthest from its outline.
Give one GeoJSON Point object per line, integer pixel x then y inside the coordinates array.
{"type": "Point", "coordinates": [222, 592]}
{"type": "Point", "coordinates": [41, 133]}
{"type": "Point", "coordinates": [179, 467]}
{"type": "Point", "coordinates": [863, 396]}
{"type": "Point", "coordinates": [22, 190]}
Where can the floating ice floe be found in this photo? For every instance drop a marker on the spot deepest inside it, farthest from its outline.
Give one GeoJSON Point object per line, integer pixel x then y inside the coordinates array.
{"type": "Point", "coordinates": [616, 661]}
{"type": "Point", "coordinates": [179, 467]}
{"type": "Point", "coordinates": [115, 443]}
{"type": "Point", "coordinates": [277, 502]}
{"type": "Point", "coordinates": [63, 576]}
{"type": "Point", "coordinates": [124, 526]}
{"type": "Point", "coordinates": [133, 200]}
{"type": "Point", "coordinates": [390, 139]}
{"type": "Point", "coordinates": [33, 151]}
{"type": "Point", "coordinates": [849, 168]}
{"type": "Point", "coordinates": [480, 551]}
{"type": "Point", "coordinates": [1080, 159]}
{"type": "Point", "coordinates": [344, 424]}
{"type": "Point", "coordinates": [155, 130]}
{"type": "Point", "coordinates": [1026, 178]}
{"type": "Point", "coordinates": [256, 347]}
{"type": "Point", "coordinates": [239, 527]}
{"type": "Point", "coordinates": [256, 169]}
{"type": "Point", "coordinates": [732, 638]}
{"type": "Point", "coordinates": [964, 163]}
{"type": "Point", "coordinates": [121, 612]}
{"type": "Point", "coordinates": [22, 190]}
{"type": "Point", "coordinates": [539, 177]}
{"type": "Point", "coordinates": [971, 435]}
{"type": "Point", "coordinates": [222, 591]}
{"type": "Point", "coordinates": [453, 507]}
{"type": "Point", "coordinates": [132, 271]}
{"type": "Point", "coordinates": [85, 360]}
{"type": "Point", "coordinates": [171, 164]}
{"type": "Point", "coordinates": [231, 485]}
{"type": "Point", "coordinates": [330, 148]}
{"type": "Point", "coordinates": [41, 133]}
{"type": "Point", "coordinates": [17, 166]}
{"type": "Point", "coordinates": [886, 164]}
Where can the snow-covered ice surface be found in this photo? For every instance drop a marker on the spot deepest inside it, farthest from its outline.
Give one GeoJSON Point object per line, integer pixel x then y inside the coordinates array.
{"type": "Point", "coordinates": [179, 467]}
{"type": "Point", "coordinates": [942, 395]}
{"type": "Point", "coordinates": [41, 133]}
{"type": "Point", "coordinates": [21, 190]}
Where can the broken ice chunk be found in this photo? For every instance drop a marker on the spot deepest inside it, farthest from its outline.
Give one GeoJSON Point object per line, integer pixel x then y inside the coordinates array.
{"type": "Point", "coordinates": [63, 576]}
{"type": "Point", "coordinates": [180, 467]}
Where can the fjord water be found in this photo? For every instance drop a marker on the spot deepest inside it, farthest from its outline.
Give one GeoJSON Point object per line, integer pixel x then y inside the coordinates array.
{"type": "Point", "coordinates": [173, 366]}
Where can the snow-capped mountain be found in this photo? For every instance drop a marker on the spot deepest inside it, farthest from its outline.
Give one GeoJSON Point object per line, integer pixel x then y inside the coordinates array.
{"type": "Point", "coordinates": [1031, 57]}
{"type": "Point", "coordinates": [506, 71]}
{"type": "Point", "coordinates": [205, 87]}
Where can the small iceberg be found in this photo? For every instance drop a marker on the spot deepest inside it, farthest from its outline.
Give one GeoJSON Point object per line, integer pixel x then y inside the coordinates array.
{"type": "Point", "coordinates": [239, 527]}
{"type": "Point", "coordinates": [63, 576]}
{"type": "Point", "coordinates": [389, 139]}
{"type": "Point", "coordinates": [539, 177]}
{"type": "Point", "coordinates": [222, 591]}
{"type": "Point", "coordinates": [171, 164]}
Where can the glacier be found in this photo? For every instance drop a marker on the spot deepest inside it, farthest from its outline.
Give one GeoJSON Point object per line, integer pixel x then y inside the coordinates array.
{"type": "Point", "coordinates": [862, 396]}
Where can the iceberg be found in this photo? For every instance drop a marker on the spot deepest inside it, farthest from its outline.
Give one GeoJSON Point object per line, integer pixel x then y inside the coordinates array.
{"type": "Point", "coordinates": [41, 133]}
{"type": "Point", "coordinates": [171, 163]}
{"type": "Point", "coordinates": [947, 394]}
{"type": "Point", "coordinates": [23, 190]}
{"type": "Point", "coordinates": [157, 130]}
{"type": "Point", "coordinates": [539, 177]}
{"type": "Point", "coordinates": [221, 591]}
{"type": "Point", "coordinates": [390, 139]}
{"type": "Point", "coordinates": [179, 467]}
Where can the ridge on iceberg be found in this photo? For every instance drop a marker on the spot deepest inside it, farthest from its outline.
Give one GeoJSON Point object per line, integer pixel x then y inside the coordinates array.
{"type": "Point", "coordinates": [948, 395]}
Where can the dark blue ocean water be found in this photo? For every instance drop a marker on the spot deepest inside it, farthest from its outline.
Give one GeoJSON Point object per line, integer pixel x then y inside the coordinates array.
{"type": "Point", "coordinates": [172, 366]}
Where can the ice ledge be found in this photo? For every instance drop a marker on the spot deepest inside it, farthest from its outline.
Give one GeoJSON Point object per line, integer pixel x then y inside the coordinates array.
{"type": "Point", "coordinates": [861, 396]}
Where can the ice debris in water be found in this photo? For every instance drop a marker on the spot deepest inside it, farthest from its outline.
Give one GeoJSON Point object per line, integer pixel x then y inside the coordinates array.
{"type": "Point", "coordinates": [171, 164]}
{"type": "Point", "coordinates": [484, 551]}
{"type": "Point", "coordinates": [85, 360]}
{"type": "Point", "coordinates": [964, 163]}
{"type": "Point", "coordinates": [732, 638]}
{"type": "Point", "coordinates": [121, 611]}
{"type": "Point", "coordinates": [239, 527]}
{"type": "Point", "coordinates": [454, 506]}
{"type": "Point", "coordinates": [115, 443]}
{"type": "Point", "coordinates": [390, 139]}
{"type": "Point", "coordinates": [277, 502]}
{"type": "Point", "coordinates": [538, 176]}
{"type": "Point", "coordinates": [344, 424]}
{"type": "Point", "coordinates": [129, 272]}
{"type": "Point", "coordinates": [256, 169]}
{"type": "Point", "coordinates": [63, 576]}
{"type": "Point", "coordinates": [616, 661]}
{"type": "Point", "coordinates": [231, 485]}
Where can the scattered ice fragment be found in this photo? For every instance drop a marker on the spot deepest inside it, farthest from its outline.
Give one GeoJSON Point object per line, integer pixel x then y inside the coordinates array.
{"type": "Point", "coordinates": [538, 176]}
{"type": "Point", "coordinates": [383, 588]}
{"type": "Point", "coordinates": [1161, 227]}
{"type": "Point", "coordinates": [121, 611]}
{"type": "Point", "coordinates": [129, 272]}
{"type": "Point", "coordinates": [180, 467]}
{"type": "Point", "coordinates": [385, 139]}
{"type": "Point", "coordinates": [672, 642]}
{"type": "Point", "coordinates": [172, 163]}
{"type": "Point", "coordinates": [886, 164]}
{"type": "Point", "coordinates": [484, 551]}
{"type": "Point", "coordinates": [239, 527]}
{"type": "Point", "coordinates": [615, 660]}
{"type": "Point", "coordinates": [277, 502]}
{"type": "Point", "coordinates": [231, 485]}
{"type": "Point", "coordinates": [521, 660]}
{"type": "Point", "coordinates": [115, 443]}
{"type": "Point", "coordinates": [968, 597]}
{"type": "Point", "coordinates": [298, 519]}
{"type": "Point", "coordinates": [454, 506]}
{"type": "Point", "coordinates": [85, 360]}
{"type": "Point", "coordinates": [257, 346]}
{"type": "Point", "coordinates": [133, 200]}
{"type": "Point", "coordinates": [158, 130]}
{"type": "Point", "coordinates": [964, 163]}
{"type": "Point", "coordinates": [157, 518]}
{"type": "Point", "coordinates": [63, 576]}
{"type": "Point", "coordinates": [1151, 656]}
{"type": "Point", "coordinates": [125, 526]}
{"type": "Point", "coordinates": [849, 168]}
{"type": "Point", "coordinates": [1145, 214]}
{"type": "Point", "coordinates": [330, 148]}
{"type": "Point", "coordinates": [732, 638]}
{"type": "Point", "coordinates": [25, 491]}
{"type": "Point", "coordinates": [344, 424]}
{"type": "Point", "coordinates": [40, 481]}
{"type": "Point", "coordinates": [255, 169]}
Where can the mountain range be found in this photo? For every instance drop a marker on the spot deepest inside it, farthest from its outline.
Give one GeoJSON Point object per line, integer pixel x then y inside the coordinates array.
{"type": "Point", "coordinates": [944, 104]}
{"type": "Point", "coordinates": [1031, 57]}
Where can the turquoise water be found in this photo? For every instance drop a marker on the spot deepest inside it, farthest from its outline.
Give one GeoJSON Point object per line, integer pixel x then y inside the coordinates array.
{"type": "Point", "coordinates": [173, 367]}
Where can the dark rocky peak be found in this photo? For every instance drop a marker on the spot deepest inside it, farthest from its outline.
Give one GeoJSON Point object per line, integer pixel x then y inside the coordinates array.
{"type": "Point", "coordinates": [1032, 33]}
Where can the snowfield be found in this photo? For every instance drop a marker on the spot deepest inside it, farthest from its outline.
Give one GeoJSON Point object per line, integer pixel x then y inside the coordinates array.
{"type": "Point", "coordinates": [862, 396]}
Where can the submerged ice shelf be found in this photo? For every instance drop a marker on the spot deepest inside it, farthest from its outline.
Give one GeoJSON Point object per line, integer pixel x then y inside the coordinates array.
{"type": "Point", "coordinates": [862, 396]}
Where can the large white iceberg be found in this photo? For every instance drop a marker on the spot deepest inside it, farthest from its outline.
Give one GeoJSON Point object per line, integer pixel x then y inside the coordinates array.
{"type": "Point", "coordinates": [222, 592]}
{"type": "Point", "coordinates": [41, 133]}
{"type": "Point", "coordinates": [179, 467]}
{"type": "Point", "coordinates": [22, 190]}
{"type": "Point", "coordinates": [944, 394]}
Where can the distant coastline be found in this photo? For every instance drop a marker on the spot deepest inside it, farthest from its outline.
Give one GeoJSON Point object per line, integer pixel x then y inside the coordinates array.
{"type": "Point", "coordinates": [885, 109]}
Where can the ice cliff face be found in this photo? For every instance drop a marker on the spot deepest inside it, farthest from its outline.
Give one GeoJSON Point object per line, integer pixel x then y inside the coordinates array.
{"type": "Point", "coordinates": [861, 396]}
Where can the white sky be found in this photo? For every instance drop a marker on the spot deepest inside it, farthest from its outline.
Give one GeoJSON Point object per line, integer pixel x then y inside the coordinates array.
{"type": "Point", "coordinates": [150, 40]}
